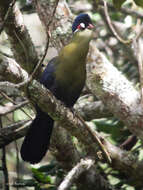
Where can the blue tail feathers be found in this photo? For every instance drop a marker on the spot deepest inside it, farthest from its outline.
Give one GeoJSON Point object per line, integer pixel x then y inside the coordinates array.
{"type": "Point", "coordinates": [37, 140]}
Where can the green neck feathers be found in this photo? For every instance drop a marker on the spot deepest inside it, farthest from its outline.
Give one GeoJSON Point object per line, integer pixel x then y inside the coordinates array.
{"type": "Point", "coordinates": [72, 58]}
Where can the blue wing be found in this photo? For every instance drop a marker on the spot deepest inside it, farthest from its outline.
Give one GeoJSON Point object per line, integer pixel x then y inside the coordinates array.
{"type": "Point", "coordinates": [48, 75]}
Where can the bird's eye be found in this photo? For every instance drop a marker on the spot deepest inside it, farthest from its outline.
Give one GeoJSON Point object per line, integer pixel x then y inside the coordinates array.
{"type": "Point", "coordinates": [81, 26]}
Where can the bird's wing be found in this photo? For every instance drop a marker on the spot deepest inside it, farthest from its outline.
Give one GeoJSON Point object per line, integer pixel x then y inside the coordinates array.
{"type": "Point", "coordinates": [48, 76]}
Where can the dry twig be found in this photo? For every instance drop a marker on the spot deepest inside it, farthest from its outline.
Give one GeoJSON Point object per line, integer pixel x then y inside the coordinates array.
{"type": "Point", "coordinates": [74, 174]}
{"type": "Point", "coordinates": [124, 10]}
{"type": "Point", "coordinates": [8, 98]}
{"type": "Point", "coordinates": [45, 51]}
{"type": "Point", "coordinates": [8, 109]}
{"type": "Point", "coordinates": [138, 53]}
{"type": "Point", "coordinates": [112, 27]}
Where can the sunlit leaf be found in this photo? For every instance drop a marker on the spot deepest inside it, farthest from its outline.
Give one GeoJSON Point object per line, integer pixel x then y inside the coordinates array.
{"type": "Point", "coordinates": [113, 128]}
{"type": "Point", "coordinates": [22, 114]}
{"type": "Point", "coordinates": [40, 176]}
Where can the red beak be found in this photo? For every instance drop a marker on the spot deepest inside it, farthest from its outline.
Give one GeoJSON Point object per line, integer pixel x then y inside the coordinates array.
{"type": "Point", "coordinates": [90, 26]}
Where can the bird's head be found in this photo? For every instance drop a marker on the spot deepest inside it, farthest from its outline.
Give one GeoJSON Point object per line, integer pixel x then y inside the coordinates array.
{"type": "Point", "coordinates": [82, 22]}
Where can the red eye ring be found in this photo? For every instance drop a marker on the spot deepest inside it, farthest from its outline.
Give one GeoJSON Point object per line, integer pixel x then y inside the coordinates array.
{"type": "Point", "coordinates": [79, 27]}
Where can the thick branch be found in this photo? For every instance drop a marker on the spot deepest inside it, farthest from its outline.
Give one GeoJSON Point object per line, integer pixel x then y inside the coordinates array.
{"type": "Point", "coordinates": [92, 109]}
{"type": "Point", "coordinates": [67, 119]}
{"type": "Point", "coordinates": [116, 92]}
{"type": "Point", "coordinates": [21, 43]}
{"type": "Point", "coordinates": [11, 71]}
{"type": "Point", "coordinates": [48, 103]}
{"type": "Point", "coordinates": [61, 23]}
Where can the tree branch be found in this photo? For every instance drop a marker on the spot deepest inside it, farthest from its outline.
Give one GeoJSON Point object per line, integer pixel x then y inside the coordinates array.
{"type": "Point", "coordinates": [8, 109]}
{"type": "Point", "coordinates": [13, 132]}
{"type": "Point", "coordinates": [11, 71]}
{"type": "Point", "coordinates": [124, 10]}
{"type": "Point", "coordinates": [90, 110]}
{"type": "Point", "coordinates": [21, 43]}
{"type": "Point", "coordinates": [61, 23]}
{"type": "Point", "coordinates": [116, 92]}
{"type": "Point", "coordinates": [74, 174]}
{"type": "Point", "coordinates": [115, 33]}
{"type": "Point", "coordinates": [67, 119]}
{"type": "Point", "coordinates": [62, 144]}
{"type": "Point", "coordinates": [138, 53]}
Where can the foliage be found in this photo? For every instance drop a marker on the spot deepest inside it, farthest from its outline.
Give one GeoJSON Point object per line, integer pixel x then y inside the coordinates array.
{"type": "Point", "coordinates": [44, 177]}
{"type": "Point", "coordinates": [119, 3]}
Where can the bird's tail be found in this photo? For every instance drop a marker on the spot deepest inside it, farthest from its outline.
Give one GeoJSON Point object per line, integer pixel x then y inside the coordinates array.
{"type": "Point", "coordinates": [37, 140]}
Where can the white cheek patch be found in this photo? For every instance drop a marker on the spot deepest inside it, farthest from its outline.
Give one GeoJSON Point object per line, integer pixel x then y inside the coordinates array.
{"type": "Point", "coordinates": [82, 25]}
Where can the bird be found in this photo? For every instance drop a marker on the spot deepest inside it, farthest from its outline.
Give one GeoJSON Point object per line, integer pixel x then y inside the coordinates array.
{"type": "Point", "coordinates": [65, 77]}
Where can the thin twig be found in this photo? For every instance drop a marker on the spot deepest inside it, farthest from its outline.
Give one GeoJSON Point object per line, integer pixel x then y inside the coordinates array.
{"type": "Point", "coordinates": [8, 109]}
{"type": "Point", "coordinates": [47, 44]}
{"type": "Point", "coordinates": [7, 14]}
{"type": "Point", "coordinates": [13, 132]}
{"type": "Point", "coordinates": [112, 27]}
{"type": "Point", "coordinates": [124, 10]}
{"type": "Point", "coordinates": [96, 138]}
{"type": "Point", "coordinates": [137, 48]}
{"type": "Point", "coordinates": [8, 98]}
{"type": "Point", "coordinates": [74, 174]}
{"type": "Point", "coordinates": [45, 51]}
{"type": "Point", "coordinates": [27, 81]}
{"type": "Point", "coordinates": [4, 165]}
{"type": "Point", "coordinates": [54, 10]}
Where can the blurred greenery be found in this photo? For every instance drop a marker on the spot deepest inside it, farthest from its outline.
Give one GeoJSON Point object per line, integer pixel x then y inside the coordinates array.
{"type": "Point", "coordinates": [139, 2]}
{"type": "Point", "coordinates": [118, 3]}
{"type": "Point", "coordinates": [113, 129]}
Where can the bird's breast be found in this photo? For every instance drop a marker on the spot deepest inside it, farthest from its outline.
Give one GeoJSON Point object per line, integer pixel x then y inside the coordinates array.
{"type": "Point", "coordinates": [69, 84]}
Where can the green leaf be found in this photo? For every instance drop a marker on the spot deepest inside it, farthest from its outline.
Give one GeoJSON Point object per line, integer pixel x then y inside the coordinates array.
{"type": "Point", "coordinates": [139, 2]}
{"type": "Point", "coordinates": [22, 114]}
{"type": "Point", "coordinates": [113, 180]}
{"type": "Point", "coordinates": [46, 168]}
{"type": "Point", "coordinates": [118, 3]}
{"type": "Point", "coordinates": [41, 177]}
{"type": "Point", "coordinates": [113, 128]}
